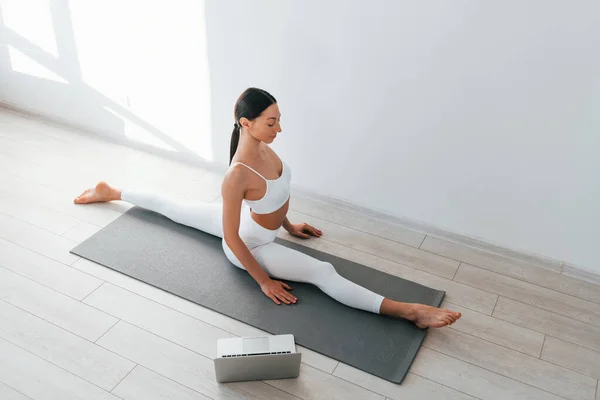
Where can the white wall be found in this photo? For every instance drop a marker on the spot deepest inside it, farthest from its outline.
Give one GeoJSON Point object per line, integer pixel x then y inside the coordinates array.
{"type": "Point", "coordinates": [480, 118]}
{"type": "Point", "coordinates": [132, 69]}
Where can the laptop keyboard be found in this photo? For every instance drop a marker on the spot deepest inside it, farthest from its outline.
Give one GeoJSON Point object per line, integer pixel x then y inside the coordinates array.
{"type": "Point", "coordinates": [256, 354]}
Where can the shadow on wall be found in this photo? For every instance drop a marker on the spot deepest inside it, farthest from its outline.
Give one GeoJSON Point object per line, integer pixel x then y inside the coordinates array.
{"type": "Point", "coordinates": [45, 75]}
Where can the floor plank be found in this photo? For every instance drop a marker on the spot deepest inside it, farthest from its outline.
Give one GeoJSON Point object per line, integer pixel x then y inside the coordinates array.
{"type": "Point", "coordinates": [143, 384]}
{"type": "Point", "coordinates": [413, 386]}
{"type": "Point", "coordinates": [572, 356]}
{"type": "Point", "coordinates": [53, 307]}
{"type": "Point", "coordinates": [37, 239]}
{"type": "Point", "coordinates": [40, 379]}
{"type": "Point", "coordinates": [57, 200]}
{"type": "Point", "coordinates": [71, 176]}
{"type": "Point", "coordinates": [157, 319]}
{"type": "Point", "coordinates": [476, 381]}
{"type": "Point", "coordinates": [46, 271]}
{"type": "Point", "coordinates": [513, 268]}
{"type": "Point", "coordinates": [546, 299]}
{"type": "Point", "coordinates": [8, 393]}
{"type": "Point", "coordinates": [16, 166]}
{"type": "Point", "coordinates": [497, 331]}
{"type": "Point", "coordinates": [550, 323]}
{"type": "Point", "coordinates": [523, 368]}
{"type": "Point", "coordinates": [24, 151]}
{"type": "Point", "coordinates": [356, 221]}
{"type": "Point", "coordinates": [314, 384]}
{"type": "Point", "coordinates": [381, 247]}
{"type": "Point", "coordinates": [81, 232]}
{"type": "Point", "coordinates": [62, 348]}
{"type": "Point", "coordinates": [40, 216]}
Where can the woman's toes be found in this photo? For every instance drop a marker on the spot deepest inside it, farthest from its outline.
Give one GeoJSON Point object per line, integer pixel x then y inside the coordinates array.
{"type": "Point", "coordinates": [84, 197]}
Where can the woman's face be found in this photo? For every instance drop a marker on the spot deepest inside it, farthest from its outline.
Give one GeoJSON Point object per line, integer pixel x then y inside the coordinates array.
{"type": "Point", "coordinates": [266, 127]}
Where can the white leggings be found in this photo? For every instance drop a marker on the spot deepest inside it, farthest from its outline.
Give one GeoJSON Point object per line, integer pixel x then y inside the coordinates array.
{"type": "Point", "coordinates": [278, 261]}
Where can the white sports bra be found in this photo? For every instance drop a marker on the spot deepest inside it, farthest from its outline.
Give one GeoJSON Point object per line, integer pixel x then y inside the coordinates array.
{"type": "Point", "coordinates": [278, 191]}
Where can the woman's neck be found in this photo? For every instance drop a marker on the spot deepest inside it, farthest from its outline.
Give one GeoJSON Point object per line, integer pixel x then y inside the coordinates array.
{"type": "Point", "coordinates": [249, 144]}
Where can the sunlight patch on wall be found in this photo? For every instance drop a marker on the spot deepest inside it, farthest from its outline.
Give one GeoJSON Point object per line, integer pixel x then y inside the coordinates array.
{"type": "Point", "coordinates": [139, 134]}
{"type": "Point", "coordinates": [152, 60]}
{"type": "Point", "coordinates": [32, 20]}
{"type": "Point", "coordinates": [22, 63]}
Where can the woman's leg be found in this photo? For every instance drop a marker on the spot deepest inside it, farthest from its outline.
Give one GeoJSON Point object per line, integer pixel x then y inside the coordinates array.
{"type": "Point", "coordinates": [206, 217]}
{"type": "Point", "coordinates": [284, 263]}
{"type": "Point", "coordinates": [278, 261]}
{"type": "Point", "coordinates": [202, 216]}
{"type": "Point", "coordinates": [281, 262]}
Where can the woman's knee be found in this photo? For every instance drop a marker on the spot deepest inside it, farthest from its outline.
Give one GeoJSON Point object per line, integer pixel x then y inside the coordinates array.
{"type": "Point", "coordinates": [325, 270]}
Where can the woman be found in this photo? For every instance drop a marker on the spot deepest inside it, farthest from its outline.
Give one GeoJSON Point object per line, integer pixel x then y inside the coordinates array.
{"type": "Point", "coordinates": [255, 193]}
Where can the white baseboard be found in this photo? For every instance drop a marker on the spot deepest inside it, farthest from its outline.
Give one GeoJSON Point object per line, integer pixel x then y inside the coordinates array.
{"type": "Point", "coordinates": [376, 214]}
{"type": "Point", "coordinates": [581, 273]}
{"type": "Point", "coordinates": [445, 234]}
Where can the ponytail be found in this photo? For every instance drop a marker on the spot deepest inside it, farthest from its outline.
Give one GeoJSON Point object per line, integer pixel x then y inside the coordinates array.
{"type": "Point", "coordinates": [235, 138]}
{"type": "Point", "coordinates": [249, 105]}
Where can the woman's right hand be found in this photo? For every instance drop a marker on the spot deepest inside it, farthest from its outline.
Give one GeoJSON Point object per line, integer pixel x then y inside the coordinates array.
{"type": "Point", "coordinates": [276, 291]}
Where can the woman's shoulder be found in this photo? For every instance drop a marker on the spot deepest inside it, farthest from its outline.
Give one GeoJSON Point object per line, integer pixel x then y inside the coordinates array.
{"type": "Point", "coordinates": [236, 173]}
{"type": "Point", "coordinates": [234, 183]}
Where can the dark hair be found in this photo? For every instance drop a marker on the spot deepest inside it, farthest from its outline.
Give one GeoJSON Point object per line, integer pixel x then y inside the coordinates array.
{"type": "Point", "coordinates": [250, 105]}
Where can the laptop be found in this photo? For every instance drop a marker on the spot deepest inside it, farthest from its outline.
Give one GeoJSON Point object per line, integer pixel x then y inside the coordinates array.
{"type": "Point", "coordinates": [257, 358]}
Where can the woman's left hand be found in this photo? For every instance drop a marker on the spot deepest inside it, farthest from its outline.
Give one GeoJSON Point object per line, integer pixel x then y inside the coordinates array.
{"type": "Point", "coordinates": [304, 231]}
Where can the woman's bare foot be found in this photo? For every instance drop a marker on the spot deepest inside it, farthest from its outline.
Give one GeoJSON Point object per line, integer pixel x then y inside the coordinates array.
{"type": "Point", "coordinates": [422, 315]}
{"type": "Point", "coordinates": [431, 317]}
{"type": "Point", "coordinates": [102, 192]}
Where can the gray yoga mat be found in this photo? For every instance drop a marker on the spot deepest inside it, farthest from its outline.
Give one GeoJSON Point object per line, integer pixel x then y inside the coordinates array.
{"type": "Point", "coordinates": [191, 264]}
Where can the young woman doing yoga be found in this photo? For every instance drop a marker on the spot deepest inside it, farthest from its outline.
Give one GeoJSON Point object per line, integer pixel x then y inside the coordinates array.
{"type": "Point", "coordinates": [256, 192]}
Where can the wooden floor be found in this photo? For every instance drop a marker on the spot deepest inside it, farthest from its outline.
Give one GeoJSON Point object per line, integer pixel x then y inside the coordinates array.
{"type": "Point", "coordinates": [71, 329]}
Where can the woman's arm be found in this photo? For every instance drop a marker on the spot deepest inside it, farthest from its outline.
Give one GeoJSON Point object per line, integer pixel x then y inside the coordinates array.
{"type": "Point", "coordinates": [232, 191]}
{"type": "Point", "coordinates": [287, 225]}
